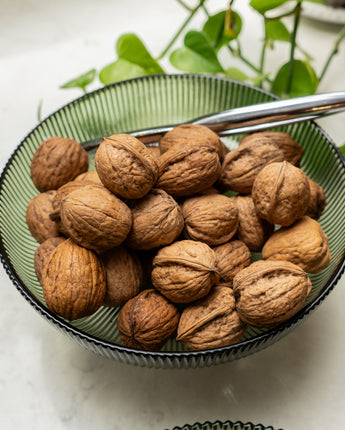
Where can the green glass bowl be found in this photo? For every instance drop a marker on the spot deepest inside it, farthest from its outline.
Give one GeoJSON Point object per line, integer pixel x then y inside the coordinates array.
{"type": "Point", "coordinates": [226, 425]}
{"type": "Point", "coordinates": [143, 103]}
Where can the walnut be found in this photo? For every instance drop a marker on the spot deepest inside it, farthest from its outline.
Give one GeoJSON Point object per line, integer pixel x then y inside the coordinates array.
{"type": "Point", "coordinates": [187, 134]}
{"type": "Point", "coordinates": [252, 230]}
{"type": "Point", "coordinates": [95, 218]}
{"type": "Point", "coordinates": [292, 150]}
{"type": "Point", "coordinates": [155, 151]}
{"type": "Point", "coordinates": [241, 166]}
{"type": "Point", "coordinates": [304, 243]}
{"type": "Point", "coordinates": [89, 176]}
{"type": "Point", "coordinates": [270, 292]}
{"type": "Point", "coordinates": [56, 161]}
{"type": "Point", "coordinates": [157, 221]}
{"type": "Point", "coordinates": [211, 322]}
{"type": "Point", "coordinates": [212, 219]}
{"type": "Point", "coordinates": [124, 275]}
{"type": "Point", "coordinates": [317, 201]}
{"type": "Point", "coordinates": [73, 281]}
{"type": "Point", "coordinates": [281, 193]}
{"type": "Point", "coordinates": [147, 321]}
{"type": "Point", "coordinates": [231, 258]}
{"type": "Point", "coordinates": [125, 166]}
{"type": "Point", "coordinates": [38, 219]}
{"type": "Point", "coordinates": [185, 170]}
{"type": "Point", "coordinates": [184, 271]}
{"type": "Point", "coordinates": [42, 253]}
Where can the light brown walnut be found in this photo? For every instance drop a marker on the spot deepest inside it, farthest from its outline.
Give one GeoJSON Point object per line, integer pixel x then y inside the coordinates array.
{"type": "Point", "coordinates": [89, 176]}
{"type": "Point", "coordinates": [281, 193]}
{"type": "Point", "coordinates": [157, 221]}
{"type": "Point", "coordinates": [317, 201]}
{"type": "Point", "coordinates": [304, 243]}
{"type": "Point", "coordinates": [211, 218]}
{"type": "Point", "coordinates": [56, 161]}
{"type": "Point", "coordinates": [42, 253]}
{"type": "Point", "coordinates": [184, 271]}
{"type": "Point", "coordinates": [147, 321]}
{"type": "Point", "coordinates": [125, 166]}
{"type": "Point", "coordinates": [73, 281]}
{"type": "Point", "coordinates": [211, 322]}
{"type": "Point", "coordinates": [270, 292]}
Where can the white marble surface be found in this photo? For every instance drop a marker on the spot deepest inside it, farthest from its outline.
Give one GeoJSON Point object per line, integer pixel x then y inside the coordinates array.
{"type": "Point", "coordinates": [48, 381]}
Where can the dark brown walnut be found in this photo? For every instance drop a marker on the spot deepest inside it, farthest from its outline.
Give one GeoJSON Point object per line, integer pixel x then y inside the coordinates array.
{"type": "Point", "coordinates": [125, 166]}
{"type": "Point", "coordinates": [89, 176]}
{"type": "Point", "coordinates": [192, 134]}
{"type": "Point", "coordinates": [184, 271]}
{"type": "Point", "coordinates": [185, 170]}
{"type": "Point", "coordinates": [42, 253]}
{"type": "Point", "coordinates": [157, 221]}
{"type": "Point", "coordinates": [95, 218]}
{"type": "Point", "coordinates": [56, 161]}
{"type": "Point", "coordinates": [124, 275]}
{"type": "Point", "coordinates": [73, 281]}
{"type": "Point", "coordinates": [304, 243]}
{"type": "Point", "coordinates": [38, 216]}
{"type": "Point", "coordinates": [292, 150]}
{"type": "Point", "coordinates": [231, 258]}
{"type": "Point", "coordinates": [317, 201]}
{"type": "Point", "coordinates": [147, 321]}
{"type": "Point", "coordinates": [281, 193]}
{"type": "Point", "coordinates": [241, 166]}
{"type": "Point", "coordinates": [212, 219]}
{"type": "Point", "coordinates": [270, 292]}
{"type": "Point", "coordinates": [211, 322]}
{"type": "Point", "coordinates": [155, 151]}
{"type": "Point", "coordinates": [252, 230]}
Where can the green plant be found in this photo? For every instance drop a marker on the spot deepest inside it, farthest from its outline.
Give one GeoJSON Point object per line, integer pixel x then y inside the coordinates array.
{"type": "Point", "coordinates": [201, 50]}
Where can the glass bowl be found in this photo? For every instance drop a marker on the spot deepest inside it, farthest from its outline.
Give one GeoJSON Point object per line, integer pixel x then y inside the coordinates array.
{"type": "Point", "coordinates": [143, 103]}
{"type": "Point", "coordinates": [226, 425]}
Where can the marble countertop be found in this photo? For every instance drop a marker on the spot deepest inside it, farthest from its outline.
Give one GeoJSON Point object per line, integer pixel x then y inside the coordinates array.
{"type": "Point", "coordinates": [48, 381]}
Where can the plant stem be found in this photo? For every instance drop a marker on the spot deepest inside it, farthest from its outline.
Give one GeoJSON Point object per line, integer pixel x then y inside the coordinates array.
{"type": "Point", "coordinates": [293, 46]}
{"type": "Point", "coordinates": [183, 26]}
{"type": "Point", "coordinates": [333, 52]}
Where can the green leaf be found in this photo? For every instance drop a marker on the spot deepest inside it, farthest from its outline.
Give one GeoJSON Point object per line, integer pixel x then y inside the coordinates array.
{"type": "Point", "coordinates": [276, 31]}
{"type": "Point", "coordinates": [120, 70]}
{"type": "Point", "coordinates": [222, 28]}
{"type": "Point", "coordinates": [304, 80]}
{"type": "Point", "coordinates": [262, 6]}
{"type": "Point", "coordinates": [236, 74]}
{"type": "Point", "coordinates": [197, 55]}
{"type": "Point", "coordinates": [130, 48]}
{"type": "Point", "coordinates": [81, 81]}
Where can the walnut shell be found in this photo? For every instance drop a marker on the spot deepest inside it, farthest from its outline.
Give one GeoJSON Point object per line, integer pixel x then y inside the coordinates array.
{"type": "Point", "coordinates": [231, 257]}
{"type": "Point", "coordinates": [124, 275]}
{"type": "Point", "coordinates": [281, 193]}
{"type": "Point", "coordinates": [38, 218]}
{"type": "Point", "coordinates": [212, 219]}
{"type": "Point", "coordinates": [185, 170]}
{"type": "Point", "coordinates": [191, 134]}
{"type": "Point", "coordinates": [56, 161]}
{"type": "Point", "coordinates": [95, 218]}
{"type": "Point", "coordinates": [89, 176]}
{"type": "Point", "coordinates": [157, 221]}
{"type": "Point", "coordinates": [155, 151]}
{"type": "Point", "coordinates": [292, 150]}
{"type": "Point", "coordinates": [304, 243]}
{"type": "Point", "coordinates": [270, 292]}
{"type": "Point", "coordinates": [184, 271]}
{"type": "Point", "coordinates": [252, 230]}
{"type": "Point", "coordinates": [73, 281]}
{"type": "Point", "coordinates": [317, 201]}
{"type": "Point", "coordinates": [211, 322]}
{"type": "Point", "coordinates": [241, 166]}
{"type": "Point", "coordinates": [125, 166]}
{"type": "Point", "coordinates": [147, 321]}
{"type": "Point", "coordinates": [42, 253]}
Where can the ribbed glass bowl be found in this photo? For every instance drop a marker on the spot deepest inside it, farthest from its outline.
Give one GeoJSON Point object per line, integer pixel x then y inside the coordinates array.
{"type": "Point", "coordinates": [143, 103]}
{"type": "Point", "coordinates": [225, 425]}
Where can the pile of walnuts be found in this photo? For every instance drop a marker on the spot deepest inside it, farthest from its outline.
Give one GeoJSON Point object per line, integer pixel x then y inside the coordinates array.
{"type": "Point", "coordinates": [182, 219]}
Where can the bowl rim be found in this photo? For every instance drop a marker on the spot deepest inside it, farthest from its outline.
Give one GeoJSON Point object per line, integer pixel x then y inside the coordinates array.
{"type": "Point", "coordinates": [249, 425]}
{"type": "Point", "coordinates": [69, 329]}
